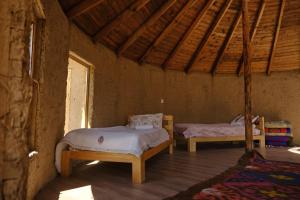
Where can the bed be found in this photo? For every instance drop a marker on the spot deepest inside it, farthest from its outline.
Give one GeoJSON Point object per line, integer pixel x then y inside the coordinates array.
{"type": "Point", "coordinates": [111, 140]}
{"type": "Point", "coordinates": [196, 133]}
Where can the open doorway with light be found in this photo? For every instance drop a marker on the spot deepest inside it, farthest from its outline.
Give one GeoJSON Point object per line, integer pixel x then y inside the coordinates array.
{"type": "Point", "coordinates": [79, 93]}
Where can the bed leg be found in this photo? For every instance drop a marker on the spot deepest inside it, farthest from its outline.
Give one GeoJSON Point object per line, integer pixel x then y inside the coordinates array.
{"type": "Point", "coordinates": [138, 171]}
{"type": "Point", "coordinates": [66, 164]}
{"type": "Point", "coordinates": [262, 143]}
{"type": "Point", "coordinates": [171, 148]}
{"type": "Point", "coordinates": [191, 145]}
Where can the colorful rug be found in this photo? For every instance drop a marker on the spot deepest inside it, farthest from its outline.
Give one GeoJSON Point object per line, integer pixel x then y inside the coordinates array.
{"type": "Point", "coordinates": [253, 178]}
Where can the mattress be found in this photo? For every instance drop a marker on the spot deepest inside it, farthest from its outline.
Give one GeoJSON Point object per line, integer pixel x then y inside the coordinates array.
{"type": "Point", "coordinates": [211, 130]}
{"type": "Point", "coordinates": [118, 139]}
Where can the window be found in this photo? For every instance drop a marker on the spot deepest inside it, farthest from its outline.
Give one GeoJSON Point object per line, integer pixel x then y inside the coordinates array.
{"type": "Point", "coordinates": [35, 51]}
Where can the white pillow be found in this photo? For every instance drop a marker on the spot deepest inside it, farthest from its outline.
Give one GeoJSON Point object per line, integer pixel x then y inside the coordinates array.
{"type": "Point", "coordinates": [149, 119]}
{"type": "Point", "coordinates": [241, 121]}
{"type": "Point", "coordinates": [234, 121]}
{"type": "Point", "coordinates": [144, 127]}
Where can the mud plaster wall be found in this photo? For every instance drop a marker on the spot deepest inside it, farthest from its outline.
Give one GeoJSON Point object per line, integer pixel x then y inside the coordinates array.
{"type": "Point", "coordinates": [123, 87]}
{"type": "Point", "coordinates": [51, 106]}
{"type": "Point", "coordinates": [15, 97]}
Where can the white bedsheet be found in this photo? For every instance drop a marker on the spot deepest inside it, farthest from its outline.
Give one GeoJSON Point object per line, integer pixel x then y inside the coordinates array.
{"type": "Point", "coordinates": [212, 130]}
{"type": "Point", "coordinates": [118, 139]}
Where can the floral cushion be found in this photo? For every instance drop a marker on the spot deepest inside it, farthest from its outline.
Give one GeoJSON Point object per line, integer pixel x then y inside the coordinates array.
{"type": "Point", "coordinates": [154, 120]}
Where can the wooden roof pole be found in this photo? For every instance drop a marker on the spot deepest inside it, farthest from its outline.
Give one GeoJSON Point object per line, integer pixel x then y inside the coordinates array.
{"type": "Point", "coordinates": [167, 30]}
{"type": "Point", "coordinates": [134, 7]}
{"type": "Point", "coordinates": [247, 77]}
{"type": "Point", "coordinates": [276, 37]}
{"type": "Point", "coordinates": [226, 42]}
{"type": "Point", "coordinates": [145, 25]}
{"type": "Point", "coordinates": [208, 34]}
{"type": "Point", "coordinates": [187, 33]}
{"type": "Point", "coordinates": [253, 33]}
{"type": "Point", "coordinates": [83, 7]}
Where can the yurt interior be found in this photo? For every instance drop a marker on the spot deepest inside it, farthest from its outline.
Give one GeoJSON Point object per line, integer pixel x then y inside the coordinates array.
{"type": "Point", "coordinates": [149, 99]}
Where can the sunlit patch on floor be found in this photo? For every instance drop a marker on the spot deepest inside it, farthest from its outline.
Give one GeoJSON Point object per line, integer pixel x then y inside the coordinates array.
{"type": "Point", "coordinates": [294, 150]}
{"type": "Point", "coordinates": [79, 193]}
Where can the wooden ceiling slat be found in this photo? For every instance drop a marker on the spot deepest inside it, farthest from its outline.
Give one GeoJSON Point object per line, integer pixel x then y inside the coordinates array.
{"type": "Point", "coordinates": [138, 6]}
{"type": "Point", "coordinates": [187, 33]}
{"type": "Point", "coordinates": [197, 53]}
{"type": "Point", "coordinates": [276, 35]}
{"type": "Point", "coordinates": [167, 30]}
{"type": "Point", "coordinates": [146, 25]}
{"type": "Point", "coordinates": [83, 7]}
{"type": "Point", "coordinates": [134, 7]}
{"type": "Point", "coordinates": [253, 33]}
{"type": "Point", "coordinates": [226, 42]}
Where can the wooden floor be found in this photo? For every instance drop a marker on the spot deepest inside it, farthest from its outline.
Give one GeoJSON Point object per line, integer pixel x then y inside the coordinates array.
{"type": "Point", "coordinates": [166, 175]}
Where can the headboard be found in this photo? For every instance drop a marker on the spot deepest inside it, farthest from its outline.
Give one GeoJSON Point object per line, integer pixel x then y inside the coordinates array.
{"type": "Point", "coordinates": [167, 124]}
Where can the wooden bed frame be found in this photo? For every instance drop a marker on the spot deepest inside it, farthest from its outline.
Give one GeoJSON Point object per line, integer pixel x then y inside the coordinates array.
{"type": "Point", "coordinates": [138, 163]}
{"type": "Point", "coordinates": [192, 142]}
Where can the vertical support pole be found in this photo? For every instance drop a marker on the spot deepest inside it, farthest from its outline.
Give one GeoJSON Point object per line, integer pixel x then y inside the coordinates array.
{"type": "Point", "coordinates": [247, 77]}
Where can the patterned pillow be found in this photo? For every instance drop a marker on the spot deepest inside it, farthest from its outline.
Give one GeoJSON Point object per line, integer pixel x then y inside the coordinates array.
{"type": "Point", "coordinates": [149, 119]}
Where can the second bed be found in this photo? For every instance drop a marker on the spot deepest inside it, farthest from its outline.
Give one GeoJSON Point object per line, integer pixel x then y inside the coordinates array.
{"type": "Point", "coordinates": [196, 133]}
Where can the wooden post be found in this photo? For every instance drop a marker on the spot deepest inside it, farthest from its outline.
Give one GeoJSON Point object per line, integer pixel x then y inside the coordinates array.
{"type": "Point", "coordinates": [247, 77]}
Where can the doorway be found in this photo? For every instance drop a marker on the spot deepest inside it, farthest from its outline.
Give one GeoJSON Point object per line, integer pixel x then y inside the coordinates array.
{"type": "Point", "coordinates": [78, 93]}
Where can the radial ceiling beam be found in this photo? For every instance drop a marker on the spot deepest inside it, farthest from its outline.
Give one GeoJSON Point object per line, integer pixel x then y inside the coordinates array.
{"type": "Point", "coordinates": [146, 25]}
{"type": "Point", "coordinates": [187, 33]}
{"type": "Point", "coordinates": [226, 42]}
{"type": "Point", "coordinates": [273, 48]}
{"type": "Point", "coordinates": [204, 41]}
{"type": "Point", "coordinates": [167, 30]}
{"type": "Point", "coordinates": [253, 33]}
{"type": "Point", "coordinates": [134, 7]}
{"type": "Point", "coordinates": [83, 7]}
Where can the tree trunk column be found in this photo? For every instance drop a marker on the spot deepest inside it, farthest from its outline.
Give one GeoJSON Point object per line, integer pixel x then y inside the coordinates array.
{"type": "Point", "coordinates": [247, 77]}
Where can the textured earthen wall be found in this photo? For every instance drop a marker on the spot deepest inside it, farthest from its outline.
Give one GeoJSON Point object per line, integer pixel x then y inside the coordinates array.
{"type": "Point", "coordinates": [52, 93]}
{"type": "Point", "coordinates": [123, 87]}
{"type": "Point", "coordinates": [15, 97]}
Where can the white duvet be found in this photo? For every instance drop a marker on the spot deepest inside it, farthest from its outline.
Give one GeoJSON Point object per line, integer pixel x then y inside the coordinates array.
{"type": "Point", "coordinates": [212, 130]}
{"type": "Point", "coordinates": [118, 139]}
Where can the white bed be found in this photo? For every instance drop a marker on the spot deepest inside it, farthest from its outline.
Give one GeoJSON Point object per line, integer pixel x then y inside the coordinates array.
{"type": "Point", "coordinates": [118, 144]}
{"type": "Point", "coordinates": [194, 133]}
{"type": "Point", "coordinates": [118, 139]}
{"type": "Point", "coordinates": [211, 130]}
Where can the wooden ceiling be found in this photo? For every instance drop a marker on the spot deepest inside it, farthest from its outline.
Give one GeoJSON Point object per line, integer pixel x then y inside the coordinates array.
{"type": "Point", "coordinates": [193, 35]}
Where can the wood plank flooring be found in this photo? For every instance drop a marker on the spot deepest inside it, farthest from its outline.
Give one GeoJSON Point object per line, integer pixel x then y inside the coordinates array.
{"type": "Point", "coordinates": [166, 175]}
